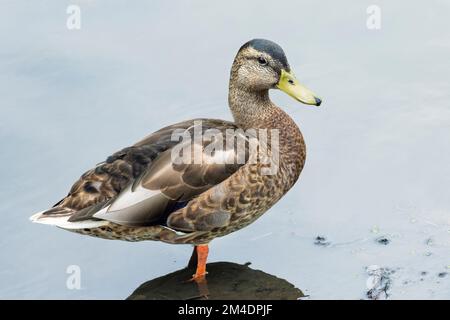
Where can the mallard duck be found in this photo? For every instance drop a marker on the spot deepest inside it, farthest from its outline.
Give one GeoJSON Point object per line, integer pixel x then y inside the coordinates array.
{"type": "Point", "coordinates": [141, 192]}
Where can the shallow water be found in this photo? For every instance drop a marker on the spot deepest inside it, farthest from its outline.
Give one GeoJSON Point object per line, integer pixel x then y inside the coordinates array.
{"type": "Point", "coordinates": [378, 156]}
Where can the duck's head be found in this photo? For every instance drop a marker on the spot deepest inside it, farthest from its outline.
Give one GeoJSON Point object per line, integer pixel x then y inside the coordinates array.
{"type": "Point", "coordinates": [261, 65]}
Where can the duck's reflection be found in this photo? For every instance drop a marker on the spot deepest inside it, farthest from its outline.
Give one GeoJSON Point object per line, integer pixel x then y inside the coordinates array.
{"type": "Point", "coordinates": [225, 280]}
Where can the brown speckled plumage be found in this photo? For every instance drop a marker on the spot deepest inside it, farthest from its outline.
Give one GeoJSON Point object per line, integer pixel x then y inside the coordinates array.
{"type": "Point", "coordinates": [193, 203]}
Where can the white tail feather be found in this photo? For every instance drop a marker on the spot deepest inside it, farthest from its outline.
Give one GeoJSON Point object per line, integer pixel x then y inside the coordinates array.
{"type": "Point", "coordinates": [62, 221]}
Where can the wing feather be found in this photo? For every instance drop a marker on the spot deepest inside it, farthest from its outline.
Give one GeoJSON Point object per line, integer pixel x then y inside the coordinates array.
{"type": "Point", "coordinates": [140, 185]}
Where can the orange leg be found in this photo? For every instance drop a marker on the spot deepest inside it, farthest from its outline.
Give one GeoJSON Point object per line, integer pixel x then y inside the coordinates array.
{"type": "Point", "coordinates": [202, 256]}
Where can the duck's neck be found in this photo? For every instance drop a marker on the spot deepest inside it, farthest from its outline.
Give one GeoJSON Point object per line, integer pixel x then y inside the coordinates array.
{"type": "Point", "coordinates": [251, 109]}
{"type": "Point", "coordinates": [254, 110]}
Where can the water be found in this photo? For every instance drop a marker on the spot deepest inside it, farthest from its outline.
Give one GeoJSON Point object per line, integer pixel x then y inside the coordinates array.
{"type": "Point", "coordinates": [378, 151]}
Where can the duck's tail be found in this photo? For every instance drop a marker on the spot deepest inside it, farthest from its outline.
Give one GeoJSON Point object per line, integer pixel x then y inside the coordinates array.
{"type": "Point", "coordinates": [59, 216]}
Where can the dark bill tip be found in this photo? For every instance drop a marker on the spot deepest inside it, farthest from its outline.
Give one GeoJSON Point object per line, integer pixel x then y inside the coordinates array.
{"type": "Point", "coordinates": [318, 101]}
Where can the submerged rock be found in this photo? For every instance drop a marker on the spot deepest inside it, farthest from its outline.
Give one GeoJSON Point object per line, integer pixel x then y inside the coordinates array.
{"type": "Point", "coordinates": [382, 240]}
{"type": "Point", "coordinates": [379, 282]}
{"type": "Point", "coordinates": [321, 241]}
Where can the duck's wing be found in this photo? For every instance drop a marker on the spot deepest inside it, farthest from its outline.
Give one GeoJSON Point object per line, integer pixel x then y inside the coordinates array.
{"type": "Point", "coordinates": [142, 184]}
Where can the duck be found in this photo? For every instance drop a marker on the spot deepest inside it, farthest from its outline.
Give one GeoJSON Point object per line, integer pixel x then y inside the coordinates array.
{"type": "Point", "coordinates": [158, 190]}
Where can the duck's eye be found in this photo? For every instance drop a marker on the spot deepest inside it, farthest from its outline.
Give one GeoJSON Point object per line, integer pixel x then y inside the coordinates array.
{"type": "Point", "coordinates": [262, 61]}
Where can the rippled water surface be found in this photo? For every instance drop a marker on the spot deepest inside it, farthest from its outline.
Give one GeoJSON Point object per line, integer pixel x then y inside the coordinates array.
{"type": "Point", "coordinates": [374, 191]}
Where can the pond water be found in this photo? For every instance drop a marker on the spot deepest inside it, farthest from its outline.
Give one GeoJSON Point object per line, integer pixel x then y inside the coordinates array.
{"type": "Point", "coordinates": [373, 193]}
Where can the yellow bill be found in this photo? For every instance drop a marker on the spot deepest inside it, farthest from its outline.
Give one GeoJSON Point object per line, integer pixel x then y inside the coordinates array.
{"type": "Point", "coordinates": [289, 84]}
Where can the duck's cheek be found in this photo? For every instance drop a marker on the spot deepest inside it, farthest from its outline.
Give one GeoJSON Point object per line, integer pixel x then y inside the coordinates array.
{"type": "Point", "coordinates": [256, 78]}
{"type": "Point", "coordinates": [245, 77]}
{"type": "Point", "coordinates": [267, 78]}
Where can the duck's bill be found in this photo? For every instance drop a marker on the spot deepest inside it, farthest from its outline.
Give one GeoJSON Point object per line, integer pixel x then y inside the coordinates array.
{"type": "Point", "coordinates": [289, 84]}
